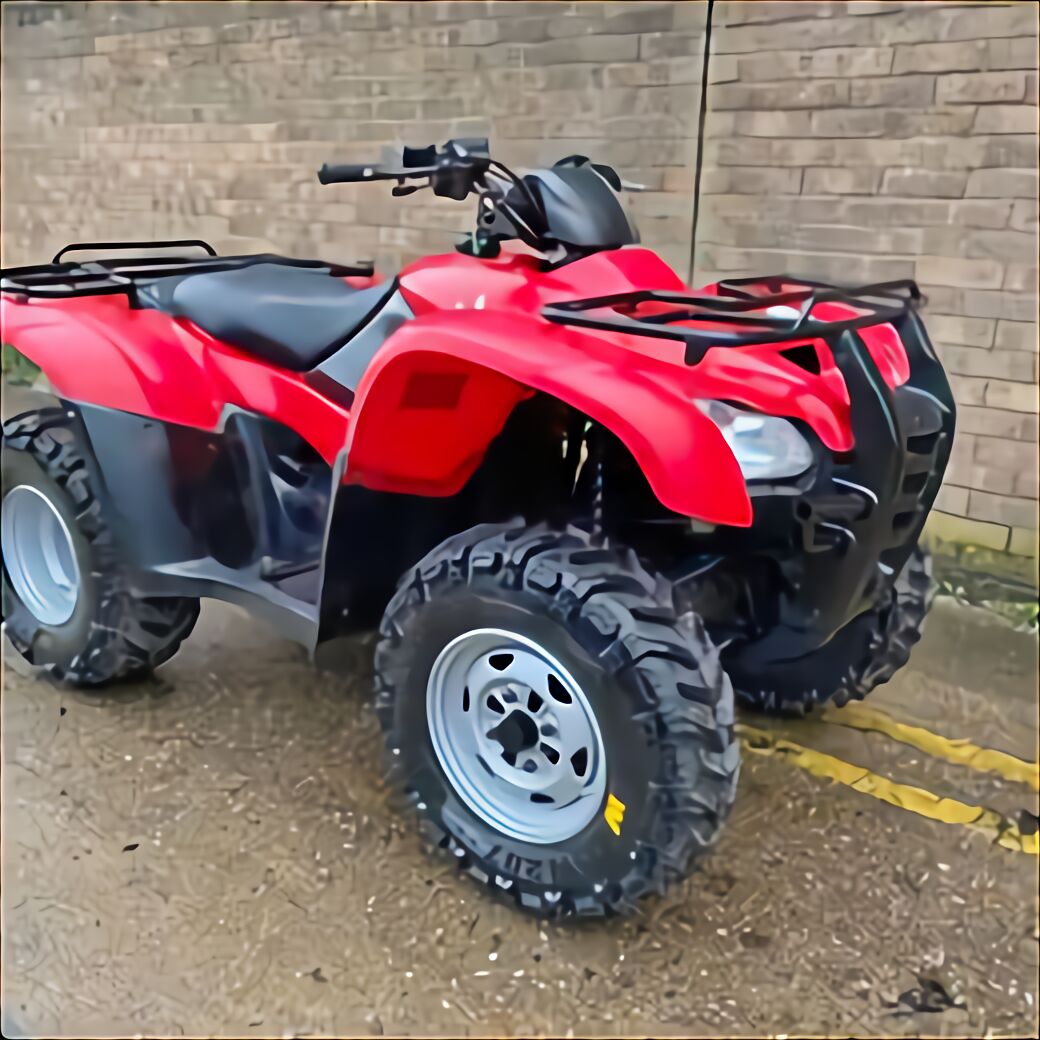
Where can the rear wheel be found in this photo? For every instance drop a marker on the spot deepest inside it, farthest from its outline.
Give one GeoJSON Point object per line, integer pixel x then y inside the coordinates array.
{"type": "Point", "coordinates": [868, 651]}
{"type": "Point", "coordinates": [553, 727]}
{"type": "Point", "coordinates": [66, 605]}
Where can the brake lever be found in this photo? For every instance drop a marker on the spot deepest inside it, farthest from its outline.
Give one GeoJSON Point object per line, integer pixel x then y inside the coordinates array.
{"type": "Point", "coordinates": [398, 190]}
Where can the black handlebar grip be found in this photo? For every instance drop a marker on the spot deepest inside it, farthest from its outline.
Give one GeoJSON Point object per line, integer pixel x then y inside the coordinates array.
{"type": "Point", "coordinates": [347, 172]}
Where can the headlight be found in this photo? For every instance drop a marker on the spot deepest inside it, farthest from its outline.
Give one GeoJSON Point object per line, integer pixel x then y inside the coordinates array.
{"type": "Point", "coordinates": [765, 446]}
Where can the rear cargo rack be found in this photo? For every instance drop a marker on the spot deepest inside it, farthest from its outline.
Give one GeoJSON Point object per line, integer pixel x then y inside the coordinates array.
{"type": "Point", "coordinates": [737, 303]}
{"type": "Point", "coordinates": [63, 280]}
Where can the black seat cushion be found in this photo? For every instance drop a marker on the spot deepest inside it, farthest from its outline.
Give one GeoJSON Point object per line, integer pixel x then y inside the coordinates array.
{"type": "Point", "coordinates": [291, 316]}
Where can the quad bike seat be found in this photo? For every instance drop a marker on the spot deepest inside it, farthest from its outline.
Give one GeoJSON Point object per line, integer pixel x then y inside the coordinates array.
{"type": "Point", "coordinates": [293, 317]}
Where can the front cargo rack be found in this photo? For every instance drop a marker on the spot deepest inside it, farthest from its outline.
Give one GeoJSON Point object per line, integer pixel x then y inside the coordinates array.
{"type": "Point", "coordinates": [739, 304]}
{"type": "Point", "coordinates": [62, 280]}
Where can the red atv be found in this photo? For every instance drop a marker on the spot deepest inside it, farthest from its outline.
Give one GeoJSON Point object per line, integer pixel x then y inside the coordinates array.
{"type": "Point", "coordinates": [581, 498]}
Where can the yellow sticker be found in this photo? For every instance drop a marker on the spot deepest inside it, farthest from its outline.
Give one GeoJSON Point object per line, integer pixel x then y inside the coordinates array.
{"type": "Point", "coordinates": [614, 813]}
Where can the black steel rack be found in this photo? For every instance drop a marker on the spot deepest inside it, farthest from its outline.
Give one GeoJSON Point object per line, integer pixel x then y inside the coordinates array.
{"type": "Point", "coordinates": [736, 305]}
{"type": "Point", "coordinates": [60, 280]}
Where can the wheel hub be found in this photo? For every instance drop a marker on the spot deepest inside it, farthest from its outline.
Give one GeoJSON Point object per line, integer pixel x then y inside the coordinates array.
{"type": "Point", "coordinates": [516, 736]}
{"type": "Point", "coordinates": [39, 555]}
{"type": "Point", "coordinates": [518, 732]}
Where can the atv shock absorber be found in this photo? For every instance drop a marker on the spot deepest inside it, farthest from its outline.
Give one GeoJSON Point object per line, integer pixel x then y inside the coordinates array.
{"type": "Point", "coordinates": [596, 458]}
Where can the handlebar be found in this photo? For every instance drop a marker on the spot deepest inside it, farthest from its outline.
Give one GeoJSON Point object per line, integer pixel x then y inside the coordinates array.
{"type": "Point", "coordinates": [349, 173]}
{"type": "Point", "coordinates": [345, 173]}
{"type": "Point", "coordinates": [454, 172]}
{"type": "Point", "coordinates": [511, 206]}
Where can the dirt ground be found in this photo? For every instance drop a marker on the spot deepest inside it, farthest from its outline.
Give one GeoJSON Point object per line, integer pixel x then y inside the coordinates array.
{"type": "Point", "coordinates": [214, 852]}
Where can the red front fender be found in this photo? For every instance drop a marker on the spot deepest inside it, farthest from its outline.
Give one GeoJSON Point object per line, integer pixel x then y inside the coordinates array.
{"type": "Point", "coordinates": [443, 385]}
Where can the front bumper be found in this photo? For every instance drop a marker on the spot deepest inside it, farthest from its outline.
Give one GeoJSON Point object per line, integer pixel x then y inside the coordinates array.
{"type": "Point", "coordinates": [856, 525]}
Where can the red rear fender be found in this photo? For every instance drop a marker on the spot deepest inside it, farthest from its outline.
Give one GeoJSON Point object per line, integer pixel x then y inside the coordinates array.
{"type": "Point", "coordinates": [443, 386]}
{"type": "Point", "coordinates": [97, 350]}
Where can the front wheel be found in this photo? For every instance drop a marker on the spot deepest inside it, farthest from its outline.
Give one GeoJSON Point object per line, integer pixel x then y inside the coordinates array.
{"type": "Point", "coordinates": [553, 726]}
{"type": "Point", "coordinates": [862, 656]}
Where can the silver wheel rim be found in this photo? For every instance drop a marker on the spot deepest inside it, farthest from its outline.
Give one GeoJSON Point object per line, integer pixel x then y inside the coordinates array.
{"type": "Point", "coordinates": [516, 736]}
{"type": "Point", "coordinates": [39, 555]}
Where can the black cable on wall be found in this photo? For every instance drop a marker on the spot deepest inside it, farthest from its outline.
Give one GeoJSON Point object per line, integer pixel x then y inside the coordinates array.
{"type": "Point", "coordinates": [700, 139]}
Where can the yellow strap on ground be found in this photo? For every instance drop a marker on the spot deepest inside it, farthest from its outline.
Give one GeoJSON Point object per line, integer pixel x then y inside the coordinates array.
{"type": "Point", "coordinates": [915, 799]}
{"type": "Point", "coordinates": [959, 752]}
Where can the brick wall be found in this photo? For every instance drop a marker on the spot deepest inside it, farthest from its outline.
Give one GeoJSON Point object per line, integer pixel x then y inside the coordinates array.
{"type": "Point", "coordinates": [124, 119]}
{"type": "Point", "coordinates": [845, 140]}
{"type": "Point", "coordinates": [876, 140]}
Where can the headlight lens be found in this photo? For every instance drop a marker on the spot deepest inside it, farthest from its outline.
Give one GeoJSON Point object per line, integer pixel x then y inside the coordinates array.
{"type": "Point", "coordinates": [765, 446]}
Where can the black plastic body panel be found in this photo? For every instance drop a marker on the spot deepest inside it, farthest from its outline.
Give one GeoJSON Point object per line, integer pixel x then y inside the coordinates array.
{"type": "Point", "coordinates": [839, 544]}
{"type": "Point", "coordinates": [239, 514]}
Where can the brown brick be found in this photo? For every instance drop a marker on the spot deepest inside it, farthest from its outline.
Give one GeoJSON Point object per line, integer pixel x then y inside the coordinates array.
{"type": "Point", "coordinates": [1000, 509]}
{"type": "Point", "coordinates": [967, 87]}
{"type": "Point", "coordinates": [1009, 455]}
{"type": "Point", "coordinates": [1020, 277]}
{"type": "Point", "coordinates": [981, 303]}
{"type": "Point", "coordinates": [1016, 335]}
{"type": "Point", "coordinates": [982, 478]}
{"type": "Point", "coordinates": [851, 239]}
{"type": "Point", "coordinates": [923, 212]}
{"type": "Point", "coordinates": [952, 499]}
{"type": "Point", "coordinates": [1023, 542]}
{"type": "Point", "coordinates": [928, 183]}
{"type": "Point", "coordinates": [1002, 184]}
{"type": "Point", "coordinates": [1004, 364]}
{"type": "Point", "coordinates": [825, 180]}
{"type": "Point", "coordinates": [773, 124]}
{"type": "Point", "coordinates": [805, 33]}
{"type": "Point", "coordinates": [995, 422]}
{"type": "Point", "coordinates": [589, 48]}
{"type": "Point", "coordinates": [918, 23]}
{"type": "Point", "coordinates": [1027, 482]}
{"type": "Point", "coordinates": [678, 178]}
{"type": "Point", "coordinates": [1015, 53]}
{"type": "Point", "coordinates": [1024, 215]}
{"type": "Point", "coordinates": [1015, 246]}
{"type": "Point", "coordinates": [1014, 396]}
{"type": "Point", "coordinates": [667, 45]}
{"type": "Point", "coordinates": [989, 215]}
{"type": "Point", "coordinates": [967, 390]}
{"type": "Point", "coordinates": [896, 92]}
{"type": "Point", "coordinates": [965, 332]}
{"type": "Point", "coordinates": [960, 56]}
{"type": "Point", "coordinates": [970, 153]}
{"type": "Point", "coordinates": [754, 180]}
{"type": "Point", "coordinates": [772, 66]}
{"type": "Point", "coordinates": [963, 531]}
{"type": "Point", "coordinates": [852, 61]}
{"type": "Point", "coordinates": [1016, 150]}
{"type": "Point", "coordinates": [747, 12]}
{"type": "Point", "coordinates": [971, 274]}
{"type": "Point", "coordinates": [722, 68]}
{"type": "Point", "coordinates": [807, 94]}
{"type": "Point", "coordinates": [849, 122]}
{"type": "Point", "coordinates": [1005, 119]}
{"type": "Point", "coordinates": [932, 122]}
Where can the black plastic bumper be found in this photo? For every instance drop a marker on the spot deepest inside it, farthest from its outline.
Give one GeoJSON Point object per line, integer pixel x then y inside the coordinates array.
{"type": "Point", "coordinates": [863, 515]}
